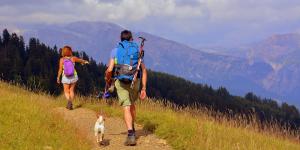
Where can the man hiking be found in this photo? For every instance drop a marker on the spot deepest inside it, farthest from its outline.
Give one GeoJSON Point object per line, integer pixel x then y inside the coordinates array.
{"type": "Point", "coordinates": [124, 63]}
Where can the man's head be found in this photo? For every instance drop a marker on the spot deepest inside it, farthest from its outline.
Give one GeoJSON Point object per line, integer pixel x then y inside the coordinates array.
{"type": "Point", "coordinates": [126, 35]}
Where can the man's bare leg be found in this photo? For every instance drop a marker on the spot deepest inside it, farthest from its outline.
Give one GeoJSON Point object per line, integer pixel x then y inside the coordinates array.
{"type": "Point", "coordinates": [128, 117]}
{"type": "Point", "coordinates": [133, 115]}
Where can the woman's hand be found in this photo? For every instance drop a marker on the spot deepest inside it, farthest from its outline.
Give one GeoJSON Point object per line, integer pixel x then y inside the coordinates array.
{"type": "Point", "coordinates": [85, 62]}
{"type": "Point", "coordinates": [143, 94]}
{"type": "Point", "coordinates": [58, 81]}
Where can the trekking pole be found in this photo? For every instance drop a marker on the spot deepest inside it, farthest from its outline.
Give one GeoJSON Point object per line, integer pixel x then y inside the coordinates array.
{"type": "Point", "coordinates": [141, 56]}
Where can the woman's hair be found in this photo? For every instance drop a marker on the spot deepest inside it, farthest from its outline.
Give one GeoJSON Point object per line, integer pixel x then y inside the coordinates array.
{"type": "Point", "coordinates": [126, 35]}
{"type": "Point", "coordinates": [66, 51]}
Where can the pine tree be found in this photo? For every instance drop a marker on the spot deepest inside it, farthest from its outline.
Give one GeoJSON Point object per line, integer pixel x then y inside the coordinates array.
{"type": "Point", "coordinates": [1, 43]}
{"type": "Point", "coordinates": [6, 37]}
{"type": "Point", "coordinates": [2, 55]}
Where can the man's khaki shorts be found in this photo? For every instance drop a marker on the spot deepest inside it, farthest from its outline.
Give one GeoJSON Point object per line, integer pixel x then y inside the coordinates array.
{"type": "Point", "coordinates": [126, 95]}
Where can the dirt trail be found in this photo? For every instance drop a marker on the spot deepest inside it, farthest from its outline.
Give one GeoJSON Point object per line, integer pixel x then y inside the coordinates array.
{"type": "Point", "coordinates": [115, 131]}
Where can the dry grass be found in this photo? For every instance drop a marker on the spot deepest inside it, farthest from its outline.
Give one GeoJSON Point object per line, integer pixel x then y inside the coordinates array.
{"type": "Point", "coordinates": [27, 122]}
{"type": "Point", "coordinates": [202, 128]}
{"type": "Point", "coordinates": [183, 128]}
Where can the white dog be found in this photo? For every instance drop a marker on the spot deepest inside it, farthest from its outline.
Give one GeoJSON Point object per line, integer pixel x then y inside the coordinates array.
{"type": "Point", "coordinates": [99, 129]}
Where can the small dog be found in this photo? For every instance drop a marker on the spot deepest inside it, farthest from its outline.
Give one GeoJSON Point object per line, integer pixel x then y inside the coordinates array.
{"type": "Point", "coordinates": [99, 128]}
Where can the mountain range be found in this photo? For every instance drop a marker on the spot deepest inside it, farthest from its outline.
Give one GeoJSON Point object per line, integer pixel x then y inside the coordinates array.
{"type": "Point", "coordinates": [269, 68]}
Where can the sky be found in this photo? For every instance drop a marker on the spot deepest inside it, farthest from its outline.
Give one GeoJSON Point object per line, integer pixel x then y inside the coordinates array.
{"type": "Point", "coordinates": [198, 23]}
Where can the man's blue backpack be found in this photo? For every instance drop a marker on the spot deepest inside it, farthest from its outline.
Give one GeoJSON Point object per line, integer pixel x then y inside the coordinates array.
{"type": "Point", "coordinates": [126, 60]}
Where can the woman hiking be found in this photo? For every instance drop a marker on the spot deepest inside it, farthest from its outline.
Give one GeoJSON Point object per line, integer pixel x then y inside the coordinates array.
{"type": "Point", "coordinates": [69, 74]}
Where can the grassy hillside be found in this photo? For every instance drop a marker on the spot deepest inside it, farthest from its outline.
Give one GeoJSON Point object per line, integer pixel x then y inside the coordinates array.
{"type": "Point", "coordinates": [190, 129]}
{"type": "Point", "coordinates": [26, 122]}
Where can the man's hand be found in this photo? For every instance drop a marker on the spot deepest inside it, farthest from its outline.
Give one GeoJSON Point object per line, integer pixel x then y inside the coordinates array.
{"type": "Point", "coordinates": [143, 94]}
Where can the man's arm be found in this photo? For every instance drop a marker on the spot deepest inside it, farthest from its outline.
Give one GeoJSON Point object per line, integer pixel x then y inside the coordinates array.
{"type": "Point", "coordinates": [108, 72]}
{"type": "Point", "coordinates": [143, 94]}
{"type": "Point", "coordinates": [144, 76]}
{"type": "Point", "coordinates": [110, 65]}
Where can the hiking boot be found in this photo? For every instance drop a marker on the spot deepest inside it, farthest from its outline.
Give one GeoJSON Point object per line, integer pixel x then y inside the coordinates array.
{"type": "Point", "coordinates": [69, 105]}
{"type": "Point", "coordinates": [102, 143]}
{"type": "Point", "coordinates": [130, 141]}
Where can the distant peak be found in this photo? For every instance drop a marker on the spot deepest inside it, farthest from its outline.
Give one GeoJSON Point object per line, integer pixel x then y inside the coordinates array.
{"type": "Point", "coordinates": [94, 24]}
{"type": "Point", "coordinates": [286, 36]}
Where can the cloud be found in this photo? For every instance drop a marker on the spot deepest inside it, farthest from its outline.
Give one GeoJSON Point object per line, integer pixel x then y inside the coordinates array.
{"type": "Point", "coordinates": [196, 22]}
{"type": "Point", "coordinates": [130, 10]}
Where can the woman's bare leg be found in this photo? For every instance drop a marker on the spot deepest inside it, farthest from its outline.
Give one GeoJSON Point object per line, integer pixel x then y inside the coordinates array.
{"type": "Point", "coordinates": [72, 93]}
{"type": "Point", "coordinates": [67, 91]}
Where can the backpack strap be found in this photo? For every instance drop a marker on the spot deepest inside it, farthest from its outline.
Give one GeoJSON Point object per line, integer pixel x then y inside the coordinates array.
{"type": "Point", "coordinates": [68, 58]}
{"type": "Point", "coordinates": [131, 63]}
{"type": "Point", "coordinates": [121, 45]}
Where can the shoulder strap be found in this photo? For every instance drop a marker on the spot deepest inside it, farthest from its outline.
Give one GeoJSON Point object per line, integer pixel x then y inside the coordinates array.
{"type": "Point", "coordinates": [68, 58]}
{"type": "Point", "coordinates": [121, 44]}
